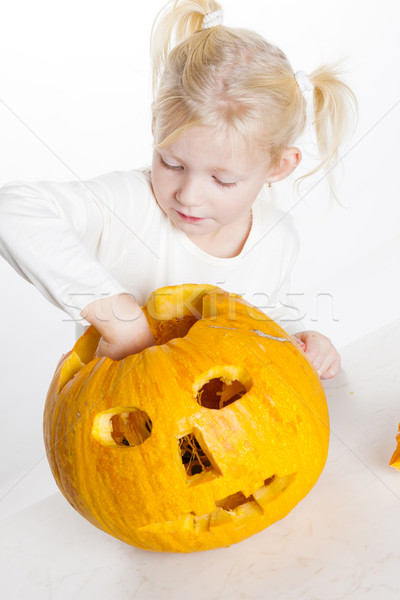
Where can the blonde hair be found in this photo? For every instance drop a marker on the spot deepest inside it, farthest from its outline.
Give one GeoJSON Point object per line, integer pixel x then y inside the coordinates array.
{"type": "Point", "coordinates": [237, 82]}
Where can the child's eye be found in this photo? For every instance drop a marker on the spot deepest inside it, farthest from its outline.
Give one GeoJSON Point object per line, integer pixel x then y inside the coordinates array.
{"type": "Point", "coordinates": [179, 168]}
{"type": "Point", "coordinates": [171, 167]}
{"type": "Point", "coordinates": [225, 185]}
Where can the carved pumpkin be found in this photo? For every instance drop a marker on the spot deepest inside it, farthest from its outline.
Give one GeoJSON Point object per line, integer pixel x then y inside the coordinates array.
{"type": "Point", "coordinates": [198, 442]}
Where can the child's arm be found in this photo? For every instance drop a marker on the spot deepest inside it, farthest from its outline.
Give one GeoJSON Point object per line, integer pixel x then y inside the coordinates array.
{"type": "Point", "coordinates": [321, 352]}
{"type": "Point", "coordinates": [67, 238]}
{"type": "Point", "coordinates": [122, 324]}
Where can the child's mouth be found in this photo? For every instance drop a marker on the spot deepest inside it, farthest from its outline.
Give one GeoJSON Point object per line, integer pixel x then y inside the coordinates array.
{"type": "Point", "coordinates": [189, 219]}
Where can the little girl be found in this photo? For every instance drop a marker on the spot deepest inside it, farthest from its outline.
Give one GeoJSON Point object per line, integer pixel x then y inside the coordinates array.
{"type": "Point", "coordinates": [227, 109]}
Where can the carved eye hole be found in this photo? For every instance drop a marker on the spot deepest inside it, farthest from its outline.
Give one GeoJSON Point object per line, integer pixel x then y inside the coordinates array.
{"type": "Point", "coordinates": [122, 426]}
{"type": "Point", "coordinates": [221, 386]}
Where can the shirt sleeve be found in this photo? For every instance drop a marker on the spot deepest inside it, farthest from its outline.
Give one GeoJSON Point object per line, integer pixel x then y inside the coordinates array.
{"type": "Point", "coordinates": [54, 234]}
{"type": "Point", "coordinates": [282, 304]}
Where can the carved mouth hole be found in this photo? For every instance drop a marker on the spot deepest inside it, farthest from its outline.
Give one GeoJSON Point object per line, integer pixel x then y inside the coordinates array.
{"type": "Point", "coordinates": [232, 509]}
{"type": "Point", "coordinates": [234, 500]}
{"type": "Point", "coordinates": [193, 456]}
{"type": "Point", "coordinates": [130, 428]}
{"type": "Point", "coordinates": [217, 393]}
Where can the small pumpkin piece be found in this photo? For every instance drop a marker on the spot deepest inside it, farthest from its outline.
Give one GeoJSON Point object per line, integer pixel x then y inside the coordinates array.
{"type": "Point", "coordinates": [395, 460]}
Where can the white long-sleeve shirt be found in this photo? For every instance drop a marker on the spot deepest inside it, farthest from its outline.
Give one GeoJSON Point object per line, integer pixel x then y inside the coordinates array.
{"type": "Point", "coordinates": [79, 241]}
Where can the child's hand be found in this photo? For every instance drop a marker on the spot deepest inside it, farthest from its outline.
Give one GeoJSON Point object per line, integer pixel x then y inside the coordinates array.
{"type": "Point", "coordinates": [122, 324]}
{"type": "Point", "coordinates": [321, 352]}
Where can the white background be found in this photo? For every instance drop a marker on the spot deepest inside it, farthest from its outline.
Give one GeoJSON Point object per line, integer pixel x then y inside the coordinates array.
{"type": "Point", "coordinates": [75, 102]}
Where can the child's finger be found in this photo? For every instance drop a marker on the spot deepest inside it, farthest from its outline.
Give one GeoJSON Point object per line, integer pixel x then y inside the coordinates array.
{"type": "Point", "coordinates": [313, 350]}
{"type": "Point", "coordinates": [332, 370]}
{"type": "Point", "coordinates": [299, 342]}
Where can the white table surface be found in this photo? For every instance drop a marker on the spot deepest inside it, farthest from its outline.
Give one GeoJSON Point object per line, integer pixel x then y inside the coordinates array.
{"type": "Point", "coordinates": [341, 541]}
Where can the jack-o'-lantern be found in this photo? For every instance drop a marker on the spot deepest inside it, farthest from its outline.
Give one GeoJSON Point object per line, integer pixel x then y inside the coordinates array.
{"type": "Point", "coordinates": [205, 438]}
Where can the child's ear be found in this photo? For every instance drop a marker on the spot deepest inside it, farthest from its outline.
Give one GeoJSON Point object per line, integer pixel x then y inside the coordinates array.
{"type": "Point", "coordinates": [290, 158]}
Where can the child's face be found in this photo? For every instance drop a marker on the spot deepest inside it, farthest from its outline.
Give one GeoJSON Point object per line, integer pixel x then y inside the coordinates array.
{"type": "Point", "coordinates": [204, 184]}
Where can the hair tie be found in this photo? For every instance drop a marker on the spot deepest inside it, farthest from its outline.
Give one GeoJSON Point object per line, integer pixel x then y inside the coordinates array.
{"type": "Point", "coordinates": [212, 19]}
{"type": "Point", "coordinates": [303, 81]}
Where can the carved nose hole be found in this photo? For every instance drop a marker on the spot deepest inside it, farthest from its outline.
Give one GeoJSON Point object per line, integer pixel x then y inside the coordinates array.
{"type": "Point", "coordinates": [122, 426]}
{"type": "Point", "coordinates": [196, 458]}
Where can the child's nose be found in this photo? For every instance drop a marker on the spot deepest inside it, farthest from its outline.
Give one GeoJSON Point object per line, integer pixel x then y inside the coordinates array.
{"type": "Point", "coordinates": [189, 192]}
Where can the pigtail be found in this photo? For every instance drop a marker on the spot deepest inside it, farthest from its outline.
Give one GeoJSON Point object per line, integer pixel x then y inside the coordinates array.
{"type": "Point", "coordinates": [335, 111]}
{"type": "Point", "coordinates": [175, 22]}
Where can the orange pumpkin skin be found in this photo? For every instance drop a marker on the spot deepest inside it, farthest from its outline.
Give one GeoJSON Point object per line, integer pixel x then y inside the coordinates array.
{"type": "Point", "coordinates": [148, 451]}
{"type": "Point", "coordinates": [395, 460]}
